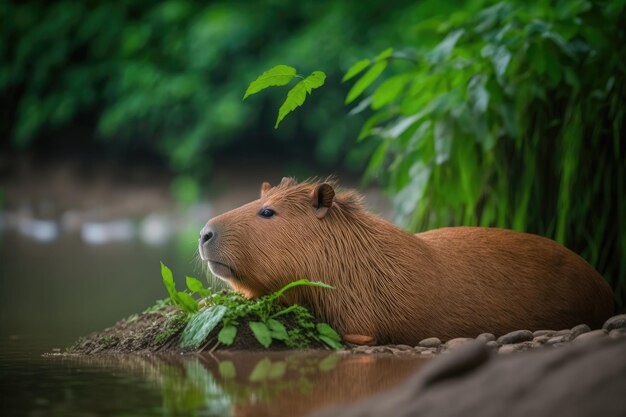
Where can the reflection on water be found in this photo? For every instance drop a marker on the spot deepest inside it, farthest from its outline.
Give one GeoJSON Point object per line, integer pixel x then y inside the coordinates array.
{"type": "Point", "coordinates": [242, 384]}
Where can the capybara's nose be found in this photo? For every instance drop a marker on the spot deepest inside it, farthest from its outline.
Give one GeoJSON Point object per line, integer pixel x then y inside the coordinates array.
{"type": "Point", "coordinates": [207, 234]}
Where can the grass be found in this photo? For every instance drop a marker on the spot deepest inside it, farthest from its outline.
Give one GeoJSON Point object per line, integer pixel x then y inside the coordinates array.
{"type": "Point", "coordinates": [205, 312]}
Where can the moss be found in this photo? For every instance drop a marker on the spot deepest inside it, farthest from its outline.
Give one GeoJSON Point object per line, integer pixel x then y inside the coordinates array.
{"type": "Point", "coordinates": [174, 325]}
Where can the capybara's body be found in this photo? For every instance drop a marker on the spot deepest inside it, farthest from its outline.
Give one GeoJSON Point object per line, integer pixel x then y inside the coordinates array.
{"type": "Point", "coordinates": [391, 285]}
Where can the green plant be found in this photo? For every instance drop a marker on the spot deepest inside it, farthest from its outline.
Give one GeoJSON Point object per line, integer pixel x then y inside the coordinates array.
{"type": "Point", "coordinates": [268, 320]}
{"type": "Point", "coordinates": [512, 117]}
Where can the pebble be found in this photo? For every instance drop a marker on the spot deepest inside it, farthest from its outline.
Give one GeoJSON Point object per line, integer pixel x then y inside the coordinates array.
{"type": "Point", "coordinates": [492, 344]}
{"type": "Point", "coordinates": [515, 337]}
{"type": "Point", "coordinates": [548, 333]}
{"type": "Point", "coordinates": [615, 322]}
{"type": "Point", "coordinates": [519, 340]}
{"type": "Point", "coordinates": [555, 339]}
{"type": "Point", "coordinates": [487, 337]}
{"type": "Point", "coordinates": [580, 329]}
{"type": "Point", "coordinates": [617, 333]}
{"type": "Point", "coordinates": [430, 342]}
{"type": "Point", "coordinates": [459, 341]}
{"type": "Point", "coordinates": [594, 334]}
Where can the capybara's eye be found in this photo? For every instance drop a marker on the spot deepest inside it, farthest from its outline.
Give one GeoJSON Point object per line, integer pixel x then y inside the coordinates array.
{"type": "Point", "coordinates": [267, 213]}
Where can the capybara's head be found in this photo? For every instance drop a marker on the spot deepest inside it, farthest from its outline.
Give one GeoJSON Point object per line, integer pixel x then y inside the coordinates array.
{"type": "Point", "coordinates": [287, 234]}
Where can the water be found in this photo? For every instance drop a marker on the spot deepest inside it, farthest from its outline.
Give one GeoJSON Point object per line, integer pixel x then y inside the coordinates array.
{"type": "Point", "coordinates": [62, 277]}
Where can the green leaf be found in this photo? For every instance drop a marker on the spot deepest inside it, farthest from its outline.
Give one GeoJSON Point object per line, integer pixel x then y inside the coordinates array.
{"type": "Point", "coordinates": [168, 280]}
{"type": "Point", "coordinates": [277, 330]}
{"type": "Point", "coordinates": [325, 330]}
{"type": "Point", "coordinates": [365, 81]}
{"type": "Point", "coordinates": [389, 90]}
{"type": "Point", "coordinates": [443, 49]}
{"type": "Point", "coordinates": [261, 332]}
{"type": "Point", "coordinates": [276, 76]}
{"type": "Point", "coordinates": [356, 69]}
{"type": "Point", "coordinates": [227, 335]}
{"type": "Point", "coordinates": [195, 285]}
{"type": "Point", "coordinates": [200, 325]}
{"type": "Point", "coordinates": [186, 302]}
{"type": "Point", "coordinates": [331, 342]}
{"type": "Point", "coordinates": [227, 370]}
{"type": "Point", "coordinates": [261, 370]}
{"type": "Point", "coordinates": [299, 282]}
{"type": "Point", "coordinates": [297, 95]}
{"type": "Point", "coordinates": [384, 54]}
{"type": "Point", "coordinates": [443, 140]}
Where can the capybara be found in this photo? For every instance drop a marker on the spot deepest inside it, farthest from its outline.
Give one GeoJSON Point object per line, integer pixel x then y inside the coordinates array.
{"type": "Point", "coordinates": [392, 286]}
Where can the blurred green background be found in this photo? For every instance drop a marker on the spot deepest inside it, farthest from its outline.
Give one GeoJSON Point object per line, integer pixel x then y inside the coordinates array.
{"type": "Point", "coordinates": [506, 114]}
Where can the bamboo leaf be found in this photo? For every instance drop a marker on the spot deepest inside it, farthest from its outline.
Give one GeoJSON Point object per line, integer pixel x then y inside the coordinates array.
{"type": "Point", "coordinates": [275, 76]}
{"type": "Point", "coordinates": [356, 69]}
{"type": "Point", "coordinates": [365, 81]}
{"type": "Point", "coordinates": [297, 95]}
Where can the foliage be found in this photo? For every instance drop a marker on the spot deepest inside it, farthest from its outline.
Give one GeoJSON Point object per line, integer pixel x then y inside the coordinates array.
{"type": "Point", "coordinates": [282, 75]}
{"type": "Point", "coordinates": [164, 77]}
{"type": "Point", "coordinates": [513, 118]}
{"type": "Point", "coordinates": [264, 316]}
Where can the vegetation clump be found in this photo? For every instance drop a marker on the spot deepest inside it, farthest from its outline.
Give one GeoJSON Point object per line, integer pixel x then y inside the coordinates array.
{"type": "Point", "coordinates": [224, 313]}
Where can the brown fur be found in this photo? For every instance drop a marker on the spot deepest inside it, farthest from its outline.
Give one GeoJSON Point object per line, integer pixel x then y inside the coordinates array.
{"type": "Point", "coordinates": [398, 287]}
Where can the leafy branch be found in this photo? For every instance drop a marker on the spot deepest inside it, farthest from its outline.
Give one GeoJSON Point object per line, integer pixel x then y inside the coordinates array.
{"type": "Point", "coordinates": [282, 75]}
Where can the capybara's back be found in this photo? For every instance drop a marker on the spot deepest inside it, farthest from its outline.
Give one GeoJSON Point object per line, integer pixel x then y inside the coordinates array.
{"type": "Point", "coordinates": [499, 280]}
{"type": "Point", "coordinates": [392, 286]}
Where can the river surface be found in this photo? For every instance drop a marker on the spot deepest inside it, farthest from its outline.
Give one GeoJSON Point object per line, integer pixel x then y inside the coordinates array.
{"type": "Point", "coordinates": [65, 272]}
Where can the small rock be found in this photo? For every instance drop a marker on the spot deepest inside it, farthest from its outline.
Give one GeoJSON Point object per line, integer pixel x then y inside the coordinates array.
{"type": "Point", "coordinates": [431, 342]}
{"type": "Point", "coordinates": [617, 333]}
{"type": "Point", "coordinates": [486, 337]}
{"type": "Point", "coordinates": [427, 353]}
{"type": "Point", "coordinates": [515, 337]}
{"type": "Point", "coordinates": [403, 347]}
{"type": "Point", "coordinates": [580, 329]}
{"type": "Point", "coordinates": [459, 341]}
{"type": "Point", "coordinates": [541, 339]}
{"type": "Point", "coordinates": [555, 340]}
{"type": "Point", "coordinates": [548, 333]}
{"type": "Point", "coordinates": [419, 349]}
{"type": "Point", "coordinates": [507, 349]}
{"type": "Point", "coordinates": [563, 332]}
{"type": "Point", "coordinates": [594, 334]}
{"type": "Point", "coordinates": [492, 344]}
{"type": "Point", "coordinates": [615, 322]}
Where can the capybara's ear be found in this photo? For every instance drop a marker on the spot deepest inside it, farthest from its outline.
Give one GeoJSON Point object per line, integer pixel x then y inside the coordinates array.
{"type": "Point", "coordinates": [322, 199]}
{"type": "Point", "coordinates": [265, 187]}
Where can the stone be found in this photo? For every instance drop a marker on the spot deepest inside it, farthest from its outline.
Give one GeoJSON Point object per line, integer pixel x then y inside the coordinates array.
{"type": "Point", "coordinates": [555, 340]}
{"type": "Point", "coordinates": [580, 329]}
{"type": "Point", "coordinates": [431, 342]}
{"type": "Point", "coordinates": [617, 333]}
{"type": "Point", "coordinates": [486, 337]}
{"type": "Point", "coordinates": [594, 334]}
{"type": "Point", "coordinates": [548, 333]}
{"type": "Point", "coordinates": [457, 342]}
{"type": "Point", "coordinates": [563, 332]}
{"type": "Point", "coordinates": [515, 337]}
{"type": "Point", "coordinates": [507, 349]}
{"type": "Point", "coordinates": [403, 347]}
{"type": "Point", "coordinates": [541, 339]}
{"type": "Point", "coordinates": [615, 322]}
{"type": "Point", "coordinates": [492, 344]}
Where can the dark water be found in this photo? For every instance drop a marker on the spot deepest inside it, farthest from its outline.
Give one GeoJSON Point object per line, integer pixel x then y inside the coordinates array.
{"type": "Point", "coordinates": [52, 293]}
{"type": "Point", "coordinates": [244, 384]}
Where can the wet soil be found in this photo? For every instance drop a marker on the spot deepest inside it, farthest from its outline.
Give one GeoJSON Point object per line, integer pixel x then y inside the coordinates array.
{"type": "Point", "coordinates": [159, 331]}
